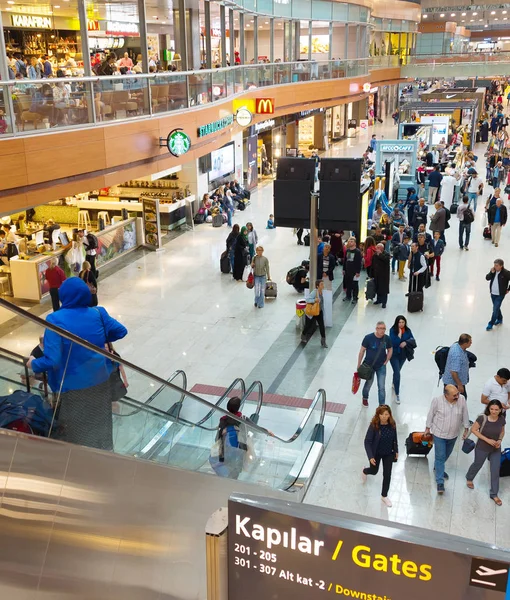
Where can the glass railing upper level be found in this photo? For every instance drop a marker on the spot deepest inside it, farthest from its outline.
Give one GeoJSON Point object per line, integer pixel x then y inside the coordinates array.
{"type": "Point", "coordinates": [460, 57]}
{"type": "Point", "coordinates": [35, 106]}
{"type": "Point", "coordinates": [89, 396]}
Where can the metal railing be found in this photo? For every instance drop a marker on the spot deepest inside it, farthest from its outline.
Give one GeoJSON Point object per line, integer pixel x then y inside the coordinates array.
{"type": "Point", "coordinates": [35, 106]}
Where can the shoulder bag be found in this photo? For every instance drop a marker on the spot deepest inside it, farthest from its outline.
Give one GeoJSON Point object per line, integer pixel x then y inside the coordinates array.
{"type": "Point", "coordinates": [117, 385]}
{"type": "Point", "coordinates": [366, 371]}
{"type": "Point", "coordinates": [468, 445]}
{"type": "Point", "coordinates": [313, 309]}
{"type": "Point", "coordinates": [92, 288]}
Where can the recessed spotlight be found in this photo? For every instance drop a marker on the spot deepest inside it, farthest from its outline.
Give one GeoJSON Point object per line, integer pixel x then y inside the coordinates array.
{"type": "Point", "coordinates": [155, 17]}
{"type": "Point", "coordinates": [163, 22]}
{"type": "Point", "coordinates": [505, 18]}
{"type": "Point", "coordinates": [266, 22]}
{"type": "Point", "coordinates": [260, 26]}
{"type": "Point", "coordinates": [463, 14]}
{"type": "Point", "coordinates": [247, 24]}
{"type": "Point", "coordinates": [486, 25]}
{"type": "Point", "coordinates": [463, 21]}
{"type": "Point", "coordinates": [441, 15]}
{"type": "Point", "coordinates": [474, 14]}
{"type": "Point", "coordinates": [10, 2]}
{"type": "Point", "coordinates": [56, 6]}
{"type": "Point", "coordinates": [480, 19]}
{"type": "Point", "coordinates": [504, 12]}
{"type": "Point", "coordinates": [452, 15]}
{"type": "Point", "coordinates": [471, 20]}
{"type": "Point", "coordinates": [425, 16]}
{"type": "Point", "coordinates": [493, 12]}
{"type": "Point", "coordinates": [496, 19]}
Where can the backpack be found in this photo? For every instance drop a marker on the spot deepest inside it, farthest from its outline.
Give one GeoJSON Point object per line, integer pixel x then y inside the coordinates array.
{"type": "Point", "coordinates": [441, 356]}
{"type": "Point", "coordinates": [235, 436]}
{"type": "Point", "coordinates": [92, 241]}
{"type": "Point", "coordinates": [291, 275]}
{"type": "Point", "coordinates": [469, 217]}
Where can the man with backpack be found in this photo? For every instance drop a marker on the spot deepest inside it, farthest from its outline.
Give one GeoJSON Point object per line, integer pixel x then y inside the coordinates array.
{"type": "Point", "coordinates": [456, 370]}
{"type": "Point", "coordinates": [230, 448]}
{"type": "Point", "coordinates": [497, 216]}
{"type": "Point", "coordinates": [90, 243]}
{"type": "Point", "coordinates": [466, 217]}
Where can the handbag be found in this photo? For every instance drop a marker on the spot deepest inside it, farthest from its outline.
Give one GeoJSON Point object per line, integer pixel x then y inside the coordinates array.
{"type": "Point", "coordinates": [250, 282]}
{"type": "Point", "coordinates": [116, 383]}
{"type": "Point", "coordinates": [366, 371]}
{"type": "Point", "coordinates": [468, 445]}
{"type": "Point", "coordinates": [92, 288]}
{"type": "Point", "coordinates": [313, 309]}
{"type": "Point", "coordinates": [356, 382]}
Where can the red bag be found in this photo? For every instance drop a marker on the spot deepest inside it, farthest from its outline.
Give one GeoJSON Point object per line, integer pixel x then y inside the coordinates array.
{"type": "Point", "coordinates": [356, 382]}
{"type": "Point", "coordinates": [250, 282]}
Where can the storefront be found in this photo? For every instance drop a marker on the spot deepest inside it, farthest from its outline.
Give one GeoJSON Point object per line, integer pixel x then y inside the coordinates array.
{"type": "Point", "coordinates": [34, 35]}
{"type": "Point", "coordinates": [336, 123]}
{"type": "Point", "coordinates": [271, 142]}
{"type": "Point", "coordinates": [311, 130]}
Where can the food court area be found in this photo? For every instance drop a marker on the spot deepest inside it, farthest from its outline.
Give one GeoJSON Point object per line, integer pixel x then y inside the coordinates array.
{"type": "Point", "coordinates": [120, 218]}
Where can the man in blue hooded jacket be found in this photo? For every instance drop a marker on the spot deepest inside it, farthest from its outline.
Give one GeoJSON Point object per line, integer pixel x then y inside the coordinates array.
{"type": "Point", "coordinates": [81, 379]}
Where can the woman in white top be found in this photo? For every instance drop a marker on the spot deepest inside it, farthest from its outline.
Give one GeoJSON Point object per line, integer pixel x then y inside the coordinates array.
{"type": "Point", "coordinates": [253, 239]}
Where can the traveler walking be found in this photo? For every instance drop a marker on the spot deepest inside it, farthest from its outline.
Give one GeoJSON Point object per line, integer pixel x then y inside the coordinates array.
{"type": "Point", "coordinates": [417, 264]}
{"type": "Point", "coordinates": [88, 277]}
{"type": "Point", "coordinates": [260, 266]}
{"type": "Point", "coordinates": [326, 264]}
{"type": "Point", "coordinates": [438, 220]}
{"type": "Point", "coordinates": [498, 388]}
{"type": "Point", "coordinates": [381, 273]}
{"type": "Point", "coordinates": [253, 239]}
{"type": "Point", "coordinates": [315, 299]}
{"type": "Point", "coordinates": [435, 179]}
{"type": "Point", "coordinates": [497, 216]}
{"type": "Point", "coordinates": [438, 249]}
{"type": "Point", "coordinates": [448, 188]}
{"type": "Point", "coordinates": [55, 277]}
{"type": "Point", "coordinates": [381, 444]}
{"type": "Point", "coordinates": [466, 217]}
{"type": "Point", "coordinates": [403, 344]}
{"type": "Point", "coordinates": [396, 240]}
{"type": "Point", "coordinates": [474, 188]}
{"type": "Point", "coordinates": [499, 286]}
{"type": "Point", "coordinates": [489, 428]}
{"type": "Point", "coordinates": [446, 415]}
{"type": "Point", "coordinates": [241, 254]}
{"type": "Point", "coordinates": [456, 370]}
{"type": "Point", "coordinates": [368, 254]}
{"type": "Point", "coordinates": [352, 270]}
{"type": "Point", "coordinates": [231, 244]}
{"type": "Point", "coordinates": [86, 380]}
{"type": "Point", "coordinates": [375, 353]}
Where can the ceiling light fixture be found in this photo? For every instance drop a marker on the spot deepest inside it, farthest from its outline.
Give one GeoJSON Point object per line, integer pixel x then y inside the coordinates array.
{"type": "Point", "coordinates": [474, 14]}
{"type": "Point", "coordinates": [463, 21]}
{"type": "Point", "coordinates": [425, 16]}
{"type": "Point", "coordinates": [463, 14]}
{"type": "Point", "coordinates": [505, 18]}
{"type": "Point", "coordinates": [10, 2]}
{"type": "Point", "coordinates": [452, 15]}
{"type": "Point", "coordinates": [471, 20]}
{"type": "Point", "coordinates": [493, 12]}
{"type": "Point", "coordinates": [56, 6]}
{"type": "Point", "coordinates": [496, 19]}
{"type": "Point", "coordinates": [504, 12]}
{"type": "Point", "coordinates": [441, 15]}
{"type": "Point", "coordinates": [486, 25]}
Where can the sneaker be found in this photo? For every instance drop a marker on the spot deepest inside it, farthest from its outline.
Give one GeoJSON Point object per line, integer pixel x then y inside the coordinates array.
{"type": "Point", "coordinates": [461, 247]}
{"type": "Point", "coordinates": [466, 248]}
{"type": "Point", "coordinates": [437, 277]}
{"type": "Point", "coordinates": [345, 299]}
{"type": "Point", "coordinates": [397, 399]}
{"type": "Point", "coordinates": [407, 295]}
{"type": "Point", "coordinates": [496, 245]}
{"type": "Point", "coordinates": [386, 501]}
{"type": "Point", "coordinates": [445, 474]}
{"type": "Point", "coordinates": [498, 322]}
{"type": "Point", "coordinates": [393, 272]}
{"type": "Point", "coordinates": [440, 488]}
{"type": "Point", "coordinates": [363, 476]}
{"type": "Point", "coordinates": [354, 301]}
{"type": "Point", "coordinates": [364, 402]}
{"type": "Point", "coordinates": [402, 278]}
{"type": "Point", "coordinates": [383, 306]}
{"type": "Point", "coordinates": [489, 327]}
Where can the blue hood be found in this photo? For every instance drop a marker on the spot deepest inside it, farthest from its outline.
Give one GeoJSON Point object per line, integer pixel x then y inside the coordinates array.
{"type": "Point", "coordinates": [74, 293]}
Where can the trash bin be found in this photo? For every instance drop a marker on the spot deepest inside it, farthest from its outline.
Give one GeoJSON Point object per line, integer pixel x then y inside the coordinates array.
{"type": "Point", "coordinates": [300, 314]}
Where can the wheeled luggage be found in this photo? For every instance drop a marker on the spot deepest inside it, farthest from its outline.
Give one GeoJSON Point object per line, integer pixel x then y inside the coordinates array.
{"type": "Point", "coordinates": [415, 298]}
{"type": "Point", "coordinates": [271, 289]}
{"type": "Point", "coordinates": [217, 221]}
{"type": "Point", "coordinates": [419, 443]}
{"type": "Point", "coordinates": [199, 218]}
{"type": "Point", "coordinates": [370, 291]}
{"type": "Point", "coordinates": [225, 262]}
{"type": "Point", "coordinates": [487, 232]}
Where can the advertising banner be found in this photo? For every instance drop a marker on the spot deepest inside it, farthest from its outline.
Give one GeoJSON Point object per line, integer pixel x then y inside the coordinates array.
{"type": "Point", "coordinates": [151, 223]}
{"type": "Point", "coordinates": [252, 171]}
{"type": "Point", "coordinates": [278, 555]}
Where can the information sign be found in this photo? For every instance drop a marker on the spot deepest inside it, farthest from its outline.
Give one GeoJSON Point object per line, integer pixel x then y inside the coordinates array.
{"type": "Point", "coordinates": [151, 223]}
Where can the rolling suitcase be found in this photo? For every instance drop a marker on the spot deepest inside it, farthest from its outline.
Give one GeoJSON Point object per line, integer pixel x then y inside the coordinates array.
{"type": "Point", "coordinates": [419, 443]}
{"type": "Point", "coordinates": [487, 234]}
{"type": "Point", "coordinates": [370, 291]}
{"type": "Point", "coordinates": [217, 220]}
{"type": "Point", "coordinates": [271, 289]}
{"type": "Point", "coordinates": [225, 263]}
{"type": "Point", "coordinates": [415, 299]}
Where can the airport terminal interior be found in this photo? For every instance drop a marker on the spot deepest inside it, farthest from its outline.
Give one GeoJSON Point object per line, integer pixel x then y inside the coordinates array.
{"type": "Point", "coordinates": [122, 126]}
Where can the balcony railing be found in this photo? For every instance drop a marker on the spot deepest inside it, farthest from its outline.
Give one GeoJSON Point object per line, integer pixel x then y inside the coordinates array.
{"type": "Point", "coordinates": [33, 106]}
{"type": "Point", "coordinates": [460, 57]}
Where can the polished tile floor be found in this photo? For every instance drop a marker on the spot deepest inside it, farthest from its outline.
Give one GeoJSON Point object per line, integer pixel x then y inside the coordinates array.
{"type": "Point", "coordinates": [182, 313]}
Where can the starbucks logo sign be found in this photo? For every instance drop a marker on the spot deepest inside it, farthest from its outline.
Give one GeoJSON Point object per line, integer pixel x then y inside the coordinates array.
{"type": "Point", "coordinates": [178, 142]}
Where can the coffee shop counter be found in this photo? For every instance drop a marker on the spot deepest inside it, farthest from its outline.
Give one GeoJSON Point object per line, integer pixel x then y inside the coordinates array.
{"type": "Point", "coordinates": [171, 215]}
{"type": "Point", "coordinates": [28, 275]}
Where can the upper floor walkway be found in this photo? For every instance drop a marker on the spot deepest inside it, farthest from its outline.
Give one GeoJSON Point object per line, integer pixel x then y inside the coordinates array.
{"type": "Point", "coordinates": [467, 64]}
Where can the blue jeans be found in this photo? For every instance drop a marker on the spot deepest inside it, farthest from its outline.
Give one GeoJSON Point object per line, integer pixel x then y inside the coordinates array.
{"type": "Point", "coordinates": [497, 315]}
{"type": "Point", "coordinates": [397, 362]}
{"type": "Point", "coordinates": [232, 257]}
{"type": "Point", "coordinates": [229, 217]}
{"type": "Point", "coordinates": [473, 197]}
{"type": "Point", "coordinates": [443, 449]}
{"type": "Point", "coordinates": [260, 290]}
{"type": "Point", "coordinates": [381, 382]}
{"type": "Point", "coordinates": [394, 262]}
{"type": "Point", "coordinates": [464, 227]}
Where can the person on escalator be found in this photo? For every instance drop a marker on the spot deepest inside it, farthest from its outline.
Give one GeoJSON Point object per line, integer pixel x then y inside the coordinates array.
{"type": "Point", "coordinates": [231, 445]}
{"type": "Point", "coordinates": [85, 383]}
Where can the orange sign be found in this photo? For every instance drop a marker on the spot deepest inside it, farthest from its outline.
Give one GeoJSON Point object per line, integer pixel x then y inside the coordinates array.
{"type": "Point", "coordinates": [92, 25]}
{"type": "Point", "coordinates": [264, 106]}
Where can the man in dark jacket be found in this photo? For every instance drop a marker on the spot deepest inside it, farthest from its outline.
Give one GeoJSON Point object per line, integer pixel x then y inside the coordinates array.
{"type": "Point", "coordinates": [381, 273]}
{"type": "Point", "coordinates": [352, 270]}
{"type": "Point", "coordinates": [435, 179]}
{"type": "Point", "coordinates": [326, 263]}
{"type": "Point", "coordinates": [438, 220]}
{"type": "Point", "coordinates": [499, 286]}
{"type": "Point", "coordinates": [420, 214]}
{"type": "Point", "coordinates": [497, 216]}
{"type": "Point", "coordinates": [107, 67]}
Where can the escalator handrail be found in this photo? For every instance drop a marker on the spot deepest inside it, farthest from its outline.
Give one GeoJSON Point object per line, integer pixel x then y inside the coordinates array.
{"type": "Point", "coordinates": [321, 394]}
{"type": "Point", "coordinates": [231, 387]}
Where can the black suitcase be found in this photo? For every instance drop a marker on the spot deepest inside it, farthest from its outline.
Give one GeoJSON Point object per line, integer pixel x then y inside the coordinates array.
{"type": "Point", "coordinates": [487, 234]}
{"type": "Point", "coordinates": [370, 291]}
{"type": "Point", "coordinates": [225, 262]}
{"type": "Point", "coordinates": [415, 299]}
{"type": "Point", "coordinates": [306, 239]}
{"type": "Point", "coordinates": [217, 221]}
{"type": "Point", "coordinates": [453, 208]}
{"type": "Point", "coordinates": [416, 448]}
{"type": "Point", "coordinates": [478, 137]}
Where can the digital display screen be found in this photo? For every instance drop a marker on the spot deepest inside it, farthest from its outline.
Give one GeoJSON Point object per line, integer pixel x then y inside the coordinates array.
{"type": "Point", "coordinates": [222, 162]}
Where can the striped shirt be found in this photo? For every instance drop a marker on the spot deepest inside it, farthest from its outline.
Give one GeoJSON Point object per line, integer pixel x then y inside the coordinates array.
{"type": "Point", "coordinates": [445, 418]}
{"type": "Point", "coordinates": [457, 361]}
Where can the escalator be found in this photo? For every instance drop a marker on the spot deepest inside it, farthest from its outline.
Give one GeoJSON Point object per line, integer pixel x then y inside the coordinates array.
{"type": "Point", "coordinates": [159, 420]}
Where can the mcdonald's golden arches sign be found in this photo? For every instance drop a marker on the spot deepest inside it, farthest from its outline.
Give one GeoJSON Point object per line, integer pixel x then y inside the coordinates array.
{"type": "Point", "coordinates": [264, 106]}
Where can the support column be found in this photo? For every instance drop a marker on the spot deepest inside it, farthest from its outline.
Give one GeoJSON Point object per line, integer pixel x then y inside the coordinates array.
{"type": "Point", "coordinates": [330, 53]}
{"type": "Point", "coordinates": [313, 241]}
{"type": "Point", "coordinates": [84, 35]}
{"type": "Point", "coordinates": [232, 34]}
{"type": "Point", "coordinates": [142, 24]}
{"type": "Point", "coordinates": [4, 70]}
{"type": "Point", "coordinates": [208, 47]}
{"type": "Point", "coordinates": [223, 39]}
{"type": "Point", "coordinates": [193, 23]}
{"type": "Point", "coordinates": [256, 38]}
{"type": "Point", "coordinates": [271, 43]}
{"type": "Point", "coordinates": [310, 40]}
{"type": "Point", "coordinates": [181, 42]}
{"type": "Point", "coordinates": [242, 54]}
{"type": "Point", "coordinates": [296, 31]}
{"type": "Point", "coordinates": [358, 36]}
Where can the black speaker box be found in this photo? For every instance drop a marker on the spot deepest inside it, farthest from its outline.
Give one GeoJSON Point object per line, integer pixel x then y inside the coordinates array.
{"type": "Point", "coordinates": [340, 198]}
{"type": "Point", "coordinates": [297, 169]}
{"type": "Point", "coordinates": [291, 203]}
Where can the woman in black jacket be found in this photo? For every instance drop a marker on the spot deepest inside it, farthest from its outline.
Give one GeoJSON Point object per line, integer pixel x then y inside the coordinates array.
{"type": "Point", "coordinates": [326, 263]}
{"type": "Point", "coordinates": [381, 445]}
{"type": "Point", "coordinates": [241, 254]}
{"type": "Point", "coordinates": [231, 244]}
